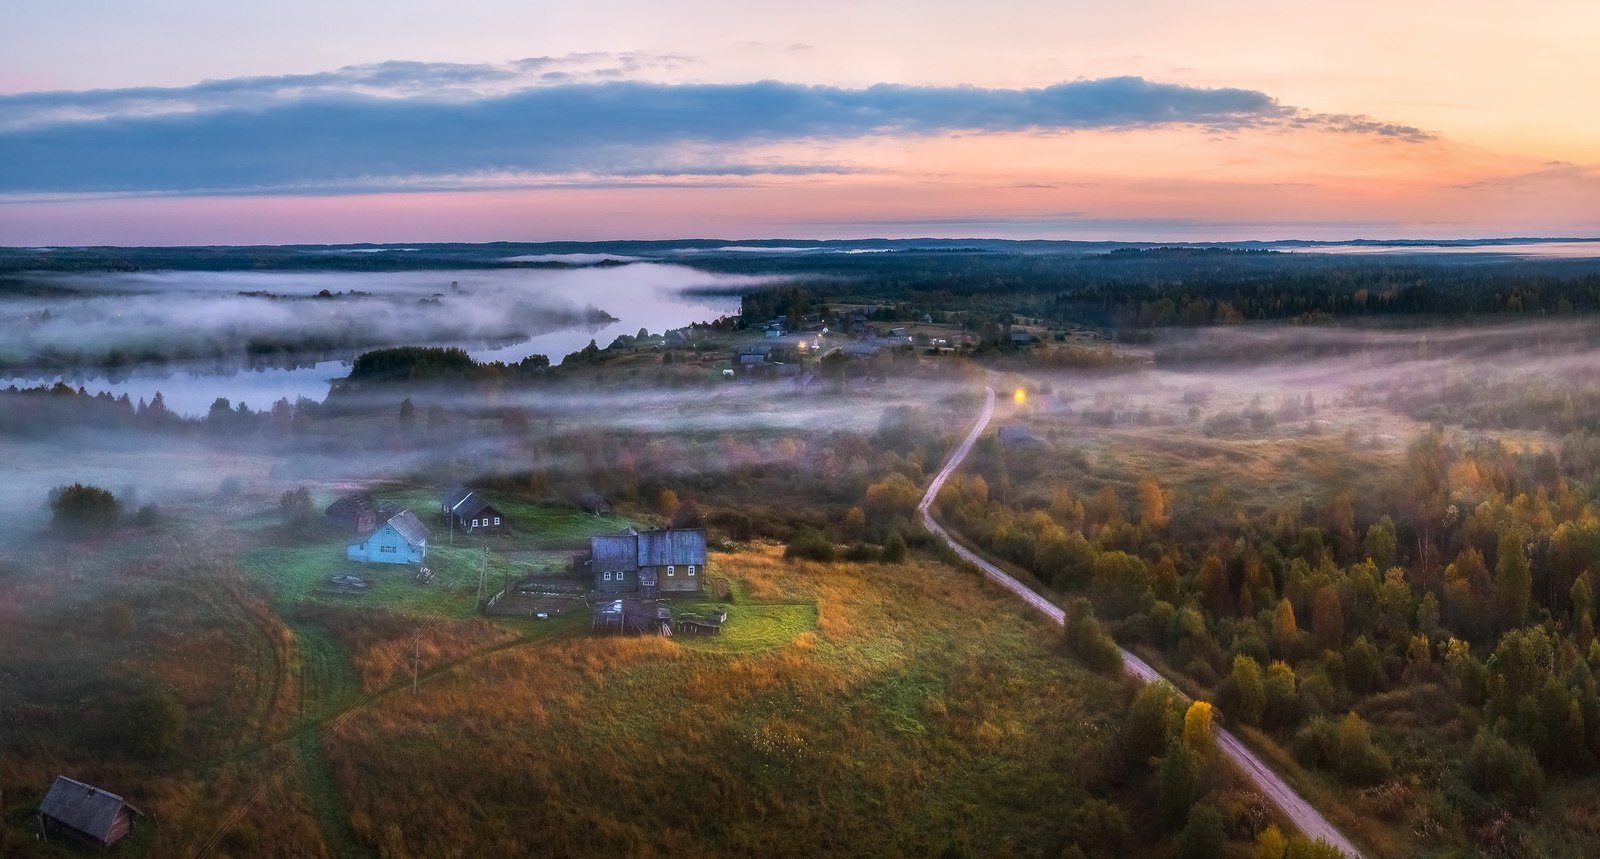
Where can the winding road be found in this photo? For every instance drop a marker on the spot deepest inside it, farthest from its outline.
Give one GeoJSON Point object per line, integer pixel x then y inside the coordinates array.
{"type": "Point", "coordinates": [1307, 819]}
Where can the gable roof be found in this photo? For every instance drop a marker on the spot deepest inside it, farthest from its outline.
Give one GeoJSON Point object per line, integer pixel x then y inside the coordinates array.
{"type": "Point", "coordinates": [672, 546]}
{"type": "Point", "coordinates": [410, 527]}
{"type": "Point", "coordinates": [352, 505]}
{"type": "Point", "coordinates": [85, 808]}
{"type": "Point", "coordinates": [617, 552]}
{"type": "Point", "coordinates": [465, 503]}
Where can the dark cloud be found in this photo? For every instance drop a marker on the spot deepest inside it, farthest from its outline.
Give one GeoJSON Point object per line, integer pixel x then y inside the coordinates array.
{"type": "Point", "coordinates": [413, 125]}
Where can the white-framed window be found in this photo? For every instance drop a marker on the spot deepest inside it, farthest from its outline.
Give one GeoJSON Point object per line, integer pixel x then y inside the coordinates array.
{"type": "Point", "coordinates": [388, 550]}
{"type": "Point", "coordinates": [474, 523]}
{"type": "Point", "coordinates": [671, 570]}
{"type": "Point", "coordinates": [497, 520]}
{"type": "Point", "coordinates": [606, 576]}
{"type": "Point", "coordinates": [691, 569]}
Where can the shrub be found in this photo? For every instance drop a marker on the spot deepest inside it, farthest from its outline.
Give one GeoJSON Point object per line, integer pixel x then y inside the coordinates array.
{"type": "Point", "coordinates": [1097, 828]}
{"type": "Point", "coordinates": [1088, 640]}
{"type": "Point", "coordinates": [1496, 767]}
{"type": "Point", "coordinates": [83, 511]}
{"type": "Point", "coordinates": [1203, 837]}
{"type": "Point", "coordinates": [894, 549]}
{"type": "Point", "coordinates": [811, 546]}
{"type": "Point", "coordinates": [155, 723]}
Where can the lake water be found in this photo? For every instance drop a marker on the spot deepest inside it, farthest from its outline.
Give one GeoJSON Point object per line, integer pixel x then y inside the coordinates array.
{"type": "Point", "coordinates": [640, 295]}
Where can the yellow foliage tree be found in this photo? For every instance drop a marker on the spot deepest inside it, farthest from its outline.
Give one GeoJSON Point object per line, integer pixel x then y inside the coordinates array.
{"type": "Point", "coordinates": [1152, 504]}
{"type": "Point", "coordinates": [1197, 728]}
{"type": "Point", "coordinates": [1270, 844]}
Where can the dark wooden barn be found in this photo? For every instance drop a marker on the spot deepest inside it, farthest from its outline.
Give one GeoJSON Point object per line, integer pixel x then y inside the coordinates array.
{"type": "Point", "coordinates": [356, 512]}
{"type": "Point", "coordinates": [85, 813]}
{"type": "Point", "coordinates": [469, 512]}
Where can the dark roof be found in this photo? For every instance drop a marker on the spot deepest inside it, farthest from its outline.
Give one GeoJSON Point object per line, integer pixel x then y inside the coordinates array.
{"type": "Point", "coordinates": [620, 552]}
{"type": "Point", "coordinates": [464, 503]}
{"type": "Point", "coordinates": [87, 809]}
{"type": "Point", "coordinates": [410, 527]}
{"type": "Point", "coordinates": [1015, 434]}
{"type": "Point", "coordinates": [672, 546]}
{"type": "Point", "coordinates": [353, 504]}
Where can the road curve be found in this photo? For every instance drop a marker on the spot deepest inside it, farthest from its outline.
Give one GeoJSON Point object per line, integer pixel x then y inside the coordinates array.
{"type": "Point", "coordinates": [1293, 806]}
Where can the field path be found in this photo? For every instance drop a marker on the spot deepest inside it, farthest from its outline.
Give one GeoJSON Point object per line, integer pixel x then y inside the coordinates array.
{"type": "Point", "coordinates": [1307, 819]}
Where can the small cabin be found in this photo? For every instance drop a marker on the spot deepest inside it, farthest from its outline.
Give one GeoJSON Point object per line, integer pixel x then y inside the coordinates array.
{"type": "Point", "coordinates": [467, 511]}
{"type": "Point", "coordinates": [356, 513]}
{"type": "Point", "coordinates": [400, 539]}
{"type": "Point", "coordinates": [85, 813]}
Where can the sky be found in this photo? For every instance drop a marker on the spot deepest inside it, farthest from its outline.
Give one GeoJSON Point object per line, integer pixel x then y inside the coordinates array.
{"type": "Point", "coordinates": [175, 122]}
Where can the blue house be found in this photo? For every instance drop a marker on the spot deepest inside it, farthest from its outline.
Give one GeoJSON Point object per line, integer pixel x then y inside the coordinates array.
{"type": "Point", "coordinates": [400, 538]}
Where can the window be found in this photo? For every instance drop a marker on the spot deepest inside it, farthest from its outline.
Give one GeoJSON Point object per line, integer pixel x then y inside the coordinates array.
{"type": "Point", "coordinates": [497, 520]}
{"type": "Point", "coordinates": [474, 523]}
{"type": "Point", "coordinates": [691, 569]}
{"type": "Point", "coordinates": [388, 550]}
{"type": "Point", "coordinates": [672, 571]}
{"type": "Point", "coordinates": [606, 576]}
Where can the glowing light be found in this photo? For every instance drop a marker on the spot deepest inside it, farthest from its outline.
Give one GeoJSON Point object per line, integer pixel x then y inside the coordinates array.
{"type": "Point", "coordinates": [1021, 396]}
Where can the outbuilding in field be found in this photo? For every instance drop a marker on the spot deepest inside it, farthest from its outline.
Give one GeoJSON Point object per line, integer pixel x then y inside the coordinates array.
{"type": "Point", "coordinates": [85, 813]}
{"type": "Point", "coordinates": [356, 512]}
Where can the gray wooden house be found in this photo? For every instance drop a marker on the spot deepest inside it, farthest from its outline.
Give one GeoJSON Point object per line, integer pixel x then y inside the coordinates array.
{"type": "Point", "coordinates": [85, 813]}
{"type": "Point", "coordinates": [671, 560]}
{"type": "Point", "coordinates": [467, 511]}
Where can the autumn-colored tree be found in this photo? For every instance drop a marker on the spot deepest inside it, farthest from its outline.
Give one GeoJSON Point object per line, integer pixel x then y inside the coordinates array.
{"type": "Point", "coordinates": [1285, 632]}
{"type": "Point", "coordinates": [1212, 582]}
{"type": "Point", "coordinates": [1513, 581]}
{"type": "Point", "coordinates": [667, 502]}
{"type": "Point", "coordinates": [1152, 504]}
{"type": "Point", "coordinates": [1270, 843]}
{"type": "Point", "coordinates": [1197, 729]}
{"type": "Point", "coordinates": [1250, 690]}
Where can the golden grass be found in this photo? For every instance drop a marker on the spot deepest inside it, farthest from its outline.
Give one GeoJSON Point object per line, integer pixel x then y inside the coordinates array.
{"type": "Point", "coordinates": [924, 711]}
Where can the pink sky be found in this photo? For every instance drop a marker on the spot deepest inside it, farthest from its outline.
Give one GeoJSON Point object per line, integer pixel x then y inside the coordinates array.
{"type": "Point", "coordinates": [1502, 95]}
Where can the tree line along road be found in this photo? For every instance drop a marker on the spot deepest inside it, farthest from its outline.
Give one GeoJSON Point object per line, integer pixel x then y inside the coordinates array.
{"type": "Point", "coordinates": [1293, 806]}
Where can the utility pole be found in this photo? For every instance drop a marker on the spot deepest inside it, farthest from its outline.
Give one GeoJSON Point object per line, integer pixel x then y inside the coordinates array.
{"type": "Point", "coordinates": [416, 658]}
{"type": "Point", "coordinates": [483, 577]}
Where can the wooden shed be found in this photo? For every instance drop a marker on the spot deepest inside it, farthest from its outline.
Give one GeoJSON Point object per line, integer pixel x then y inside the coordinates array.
{"type": "Point", "coordinates": [356, 512]}
{"type": "Point", "coordinates": [85, 813]}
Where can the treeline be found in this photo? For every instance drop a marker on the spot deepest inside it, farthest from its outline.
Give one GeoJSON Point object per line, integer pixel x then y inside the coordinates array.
{"type": "Point", "coordinates": [1431, 647]}
{"type": "Point", "coordinates": [1180, 287]}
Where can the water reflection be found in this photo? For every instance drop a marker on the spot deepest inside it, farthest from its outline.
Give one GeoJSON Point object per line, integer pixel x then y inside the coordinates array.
{"type": "Point", "coordinates": [642, 295]}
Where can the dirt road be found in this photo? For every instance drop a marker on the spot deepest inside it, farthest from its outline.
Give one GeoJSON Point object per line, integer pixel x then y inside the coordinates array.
{"type": "Point", "coordinates": [1290, 803]}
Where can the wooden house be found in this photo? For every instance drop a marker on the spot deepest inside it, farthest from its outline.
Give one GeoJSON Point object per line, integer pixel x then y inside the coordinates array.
{"type": "Point", "coordinates": [675, 558]}
{"type": "Point", "coordinates": [400, 538]}
{"type": "Point", "coordinates": [356, 512]}
{"type": "Point", "coordinates": [85, 813]}
{"type": "Point", "coordinates": [467, 511]}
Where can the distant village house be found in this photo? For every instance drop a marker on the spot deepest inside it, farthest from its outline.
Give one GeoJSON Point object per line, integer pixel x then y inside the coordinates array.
{"type": "Point", "coordinates": [85, 813]}
{"type": "Point", "coordinates": [400, 539]}
{"type": "Point", "coordinates": [467, 511]}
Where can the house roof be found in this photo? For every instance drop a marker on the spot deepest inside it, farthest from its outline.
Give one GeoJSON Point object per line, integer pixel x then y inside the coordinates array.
{"type": "Point", "coordinates": [353, 504]}
{"type": "Point", "coordinates": [465, 503]}
{"type": "Point", "coordinates": [619, 552]}
{"type": "Point", "coordinates": [672, 546]}
{"type": "Point", "coordinates": [83, 807]}
{"type": "Point", "coordinates": [410, 527]}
